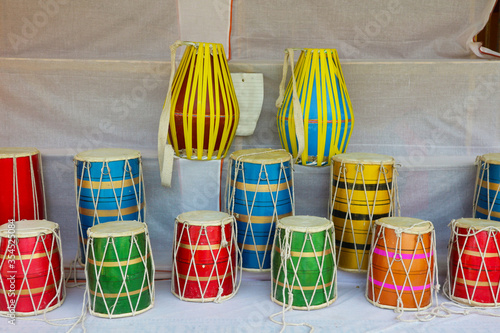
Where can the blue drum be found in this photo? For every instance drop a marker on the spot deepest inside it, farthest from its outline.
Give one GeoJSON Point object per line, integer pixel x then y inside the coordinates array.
{"type": "Point", "coordinates": [109, 187]}
{"type": "Point", "coordinates": [259, 191]}
{"type": "Point", "coordinates": [487, 197]}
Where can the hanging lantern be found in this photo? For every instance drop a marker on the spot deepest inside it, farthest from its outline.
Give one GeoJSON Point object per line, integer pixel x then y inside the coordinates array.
{"type": "Point", "coordinates": [315, 116]}
{"type": "Point", "coordinates": [201, 113]}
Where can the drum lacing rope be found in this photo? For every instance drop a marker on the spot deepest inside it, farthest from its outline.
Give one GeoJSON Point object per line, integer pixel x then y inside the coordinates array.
{"type": "Point", "coordinates": [454, 242]}
{"type": "Point", "coordinates": [286, 249]}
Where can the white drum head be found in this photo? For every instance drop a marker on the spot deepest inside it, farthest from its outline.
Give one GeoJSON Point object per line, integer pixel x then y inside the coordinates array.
{"type": "Point", "coordinates": [409, 224]}
{"type": "Point", "coordinates": [29, 228]}
{"type": "Point", "coordinates": [491, 158]}
{"type": "Point", "coordinates": [116, 229]}
{"type": "Point", "coordinates": [204, 218]}
{"type": "Point", "coordinates": [107, 155]}
{"type": "Point", "coordinates": [261, 155]}
{"type": "Point", "coordinates": [10, 152]}
{"type": "Point", "coordinates": [477, 224]}
{"type": "Point", "coordinates": [304, 222]}
{"type": "Point", "coordinates": [364, 158]}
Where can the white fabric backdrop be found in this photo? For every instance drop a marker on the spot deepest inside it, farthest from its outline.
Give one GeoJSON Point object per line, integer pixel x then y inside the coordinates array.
{"type": "Point", "coordinates": [94, 75]}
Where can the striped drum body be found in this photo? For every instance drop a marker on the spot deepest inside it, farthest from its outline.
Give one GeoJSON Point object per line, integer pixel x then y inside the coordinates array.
{"type": "Point", "coordinates": [31, 265]}
{"type": "Point", "coordinates": [119, 269]}
{"type": "Point", "coordinates": [303, 262]}
{"type": "Point", "coordinates": [204, 110]}
{"type": "Point", "coordinates": [474, 262]}
{"type": "Point", "coordinates": [109, 187]}
{"type": "Point", "coordinates": [204, 257]}
{"type": "Point", "coordinates": [259, 192]}
{"type": "Point", "coordinates": [363, 189]}
{"type": "Point", "coordinates": [487, 197]}
{"type": "Point", "coordinates": [401, 272]}
{"type": "Point", "coordinates": [22, 195]}
{"type": "Point", "coordinates": [326, 108]}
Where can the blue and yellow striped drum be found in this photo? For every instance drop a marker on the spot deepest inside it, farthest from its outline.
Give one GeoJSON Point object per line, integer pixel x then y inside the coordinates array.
{"type": "Point", "coordinates": [315, 117]}
{"type": "Point", "coordinates": [259, 191]}
{"type": "Point", "coordinates": [109, 187]}
{"type": "Point", "coordinates": [487, 197]}
{"type": "Point", "coordinates": [364, 189]}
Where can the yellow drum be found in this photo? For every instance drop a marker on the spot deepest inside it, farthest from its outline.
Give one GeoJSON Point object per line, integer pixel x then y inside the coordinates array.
{"type": "Point", "coordinates": [364, 189]}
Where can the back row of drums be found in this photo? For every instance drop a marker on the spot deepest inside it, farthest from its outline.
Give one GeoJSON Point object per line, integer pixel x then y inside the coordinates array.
{"type": "Point", "coordinates": [258, 232]}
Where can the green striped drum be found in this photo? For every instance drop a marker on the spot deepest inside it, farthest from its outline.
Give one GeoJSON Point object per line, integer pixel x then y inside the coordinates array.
{"type": "Point", "coordinates": [119, 269]}
{"type": "Point", "coordinates": [303, 263]}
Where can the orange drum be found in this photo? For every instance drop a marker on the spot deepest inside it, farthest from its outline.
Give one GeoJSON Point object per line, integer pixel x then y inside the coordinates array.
{"type": "Point", "coordinates": [402, 264]}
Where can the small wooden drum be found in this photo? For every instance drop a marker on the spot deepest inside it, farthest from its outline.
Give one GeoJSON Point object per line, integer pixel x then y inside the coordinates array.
{"type": "Point", "coordinates": [22, 195]}
{"type": "Point", "coordinates": [31, 268]}
{"type": "Point", "coordinates": [486, 196]}
{"type": "Point", "coordinates": [204, 257]}
{"type": "Point", "coordinates": [474, 262]}
{"type": "Point", "coordinates": [303, 263]}
{"type": "Point", "coordinates": [119, 269]}
{"type": "Point", "coordinates": [259, 191]}
{"type": "Point", "coordinates": [364, 189]}
{"type": "Point", "coordinates": [109, 187]}
{"type": "Point", "coordinates": [402, 266]}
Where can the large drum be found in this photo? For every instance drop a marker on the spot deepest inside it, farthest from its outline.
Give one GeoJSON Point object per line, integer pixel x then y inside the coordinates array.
{"type": "Point", "coordinates": [402, 266]}
{"type": "Point", "coordinates": [474, 262]}
{"type": "Point", "coordinates": [109, 187]}
{"type": "Point", "coordinates": [259, 192]}
{"type": "Point", "coordinates": [487, 197]}
{"type": "Point", "coordinates": [119, 269]}
{"type": "Point", "coordinates": [204, 257]}
{"type": "Point", "coordinates": [31, 268]}
{"type": "Point", "coordinates": [315, 117]}
{"type": "Point", "coordinates": [22, 195]}
{"type": "Point", "coordinates": [364, 189]}
{"type": "Point", "coordinates": [303, 263]}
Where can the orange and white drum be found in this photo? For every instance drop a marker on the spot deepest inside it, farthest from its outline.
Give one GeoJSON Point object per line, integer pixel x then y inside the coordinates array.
{"type": "Point", "coordinates": [204, 257]}
{"type": "Point", "coordinates": [31, 268]}
{"type": "Point", "coordinates": [363, 189]}
{"type": "Point", "coordinates": [402, 265]}
{"type": "Point", "coordinates": [474, 262]}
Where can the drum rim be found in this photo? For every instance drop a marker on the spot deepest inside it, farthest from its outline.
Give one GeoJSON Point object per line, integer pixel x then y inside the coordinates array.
{"type": "Point", "coordinates": [424, 228]}
{"type": "Point", "coordinates": [312, 307]}
{"type": "Point", "coordinates": [467, 222]}
{"type": "Point", "coordinates": [135, 228]}
{"type": "Point", "coordinates": [120, 154]}
{"type": "Point", "coordinates": [300, 228]}
{"type": "Point", "coordinates": [252, 156]}
{"type": "Point", "coordinates": [11, 152]}
{"type": "Point", "coordinates": [490, 158]}
{"type": "Point", "coordinates": [225, 218]}
{"type": "Point", "coordinates": [30, 228]}
{"type": "Point", "coordinates": [349, 158]}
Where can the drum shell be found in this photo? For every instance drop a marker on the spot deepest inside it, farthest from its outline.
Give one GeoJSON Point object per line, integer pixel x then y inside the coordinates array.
{"type": "Point", "coordinates": [45, 284]}
{"type": "Point", "coordinates": [412, 265]}
{"type": "Point", "coordinates": [262, 192]}
{"type": "Point", "coordinates": [303, 262]}
{"type": "Point", "coordinates": [377, 180]}
{"type": "Point", "coordinates": [138, 277]}
{"type": "Point", "coordinates": [29, 202]}
{"type": "Point", "coordinates": [199, 255]}
{"type": "Point", "coordinates": [474, 269]}
{"type": "Point", "coordinates": [488, 197]}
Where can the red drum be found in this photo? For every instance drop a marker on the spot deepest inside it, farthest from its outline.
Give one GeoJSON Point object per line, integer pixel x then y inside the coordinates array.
{"type": "Point", "coordinates": [474, 262]}
{"type": "Point", "coordinates": [22, 194]}
{"type": "Point", "coordinates": [32, 278]}
{"type": "Point", "coordinates": [204, 257]}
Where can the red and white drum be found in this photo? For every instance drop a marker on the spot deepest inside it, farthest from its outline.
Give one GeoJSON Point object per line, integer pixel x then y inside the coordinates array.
{"type": "Point", "coordinates": [474, 262]}
{"type": "Point", "coordinates": [31, 268]}
{"type": "Point", "coordinates": [22, 194]}
{"type": "Point", "coordinates": [204, 256]}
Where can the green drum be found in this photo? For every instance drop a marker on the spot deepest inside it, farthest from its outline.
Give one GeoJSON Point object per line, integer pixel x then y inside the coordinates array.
{"type": "Point", "coordinates": [119, 269]}
{"type": "Point", "coordinates": [303, 263]}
